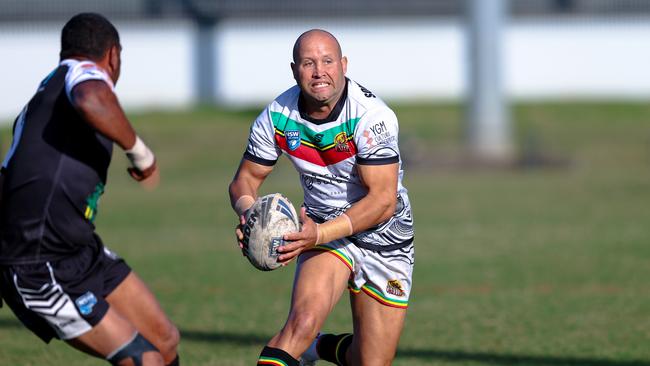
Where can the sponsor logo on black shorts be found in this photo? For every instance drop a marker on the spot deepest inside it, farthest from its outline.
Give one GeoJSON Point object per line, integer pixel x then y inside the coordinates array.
{"type": "Point", "coordinates": [86, 302]}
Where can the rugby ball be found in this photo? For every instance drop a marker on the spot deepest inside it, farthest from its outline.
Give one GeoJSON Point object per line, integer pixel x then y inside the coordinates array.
{"type": "Point", "coordinates": [269, 218]}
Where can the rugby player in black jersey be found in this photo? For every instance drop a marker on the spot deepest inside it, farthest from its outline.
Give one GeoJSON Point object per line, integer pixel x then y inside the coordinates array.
{"type": "Point", "coordinates": [55, 273]}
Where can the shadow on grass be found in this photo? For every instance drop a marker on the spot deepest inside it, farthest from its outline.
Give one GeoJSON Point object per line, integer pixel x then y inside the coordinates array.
{"type": "Point", "coordinates": [512, 359]}
{"type": "Point", "coordinates": [429, 354]}
{"type": "Point", "coordinates": [10, 323]}
{"type": "Point", "coordinates": [225, 337]}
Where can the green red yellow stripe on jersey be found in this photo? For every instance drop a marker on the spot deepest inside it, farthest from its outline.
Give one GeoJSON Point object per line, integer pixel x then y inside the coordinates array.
{"type": "Point", "coordinates": [322, 148]}
{"type": "Point", "coordinates": [377, 295]}
{"type": "Point", "coordinates": [271, 361]}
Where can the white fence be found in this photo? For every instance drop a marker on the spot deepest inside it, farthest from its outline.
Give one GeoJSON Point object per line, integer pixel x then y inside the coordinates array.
{"type": "Point", "coordinates": [400, 60]}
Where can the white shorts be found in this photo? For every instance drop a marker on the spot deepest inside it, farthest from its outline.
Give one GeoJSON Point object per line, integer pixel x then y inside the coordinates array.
{"type": "Point", "coordinates": [385, 276]}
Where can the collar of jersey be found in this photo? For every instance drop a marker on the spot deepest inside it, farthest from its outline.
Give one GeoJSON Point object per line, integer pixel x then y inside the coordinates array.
{"type": "Point", "coordinates": [334, 114]}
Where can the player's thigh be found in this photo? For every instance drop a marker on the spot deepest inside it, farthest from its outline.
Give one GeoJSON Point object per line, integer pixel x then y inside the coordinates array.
{"type": "Point", "coordinates": [377, 329]}
{"type": "Point", "coordinates": [320, 281]}
{"type": "Point", "coordinates": [133, 300]}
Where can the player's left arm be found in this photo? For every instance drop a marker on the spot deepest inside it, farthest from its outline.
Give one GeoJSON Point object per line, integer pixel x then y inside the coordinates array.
{"type": "Point", "coordinates": [376, 207]}
{"type": "Point", "coordinates": [379, 204]}
{"type": "Point", "coordinates": [98, 106]}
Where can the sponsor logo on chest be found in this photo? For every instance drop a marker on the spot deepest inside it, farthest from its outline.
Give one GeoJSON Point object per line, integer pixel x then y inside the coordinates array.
{"type": "Point", "coordinates": [378, 134]}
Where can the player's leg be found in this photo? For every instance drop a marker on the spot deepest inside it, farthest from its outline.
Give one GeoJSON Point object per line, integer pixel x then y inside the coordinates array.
{"type": "Point", "coordinates": [377, 329]}
{"type": "Point", "coordinates": [116, 339]}
{"type": "Point", "coordinates": [319, 282]}
{"type": "Point", "coordinates": [136, 303]}
{"type": "Point", "coordinates": [376, 334]}
{"type": "Point", "coordinates": [380, 290]}
{"type": "Point", "coordinates": [127, 304]}
{"type": "Point", "coordinates": [63, 300]}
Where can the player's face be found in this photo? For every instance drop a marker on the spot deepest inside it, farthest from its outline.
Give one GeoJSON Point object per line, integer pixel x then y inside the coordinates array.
{"type": "Point", "coordinates": [320, 70]}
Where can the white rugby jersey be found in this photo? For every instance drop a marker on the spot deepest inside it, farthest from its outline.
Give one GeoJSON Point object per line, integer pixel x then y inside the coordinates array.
{"type": "Point", "coordinates": [361, 129]}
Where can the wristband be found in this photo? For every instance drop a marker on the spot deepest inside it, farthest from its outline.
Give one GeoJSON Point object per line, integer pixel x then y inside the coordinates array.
{"type": "Point", "coordinates": [139, 155]}
{"type": "Point", "coordinates": [243, 203]}
{"type": "Point", "coordinates": [334, 229]}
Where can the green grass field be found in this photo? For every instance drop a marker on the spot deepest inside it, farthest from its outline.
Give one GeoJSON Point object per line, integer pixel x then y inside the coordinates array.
{"type": "Point", "coordinates": [546, 265]}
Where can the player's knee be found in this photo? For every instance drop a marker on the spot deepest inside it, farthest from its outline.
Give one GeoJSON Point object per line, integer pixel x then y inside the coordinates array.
{"type": "Point", "coordinates": [132, 353]}
{"type": "Point", "coordinates": [304, 325]}
{"type": "Point", "coordinates": [168, 340]}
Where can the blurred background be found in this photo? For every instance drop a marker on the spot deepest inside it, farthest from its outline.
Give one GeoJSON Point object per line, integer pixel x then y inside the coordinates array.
{"type": "Point", "coordinates": [178, 53]}
{"type": "Point", "coordinates": [237, 52]}
{"type": "Point", "coordinates": [525, 138]}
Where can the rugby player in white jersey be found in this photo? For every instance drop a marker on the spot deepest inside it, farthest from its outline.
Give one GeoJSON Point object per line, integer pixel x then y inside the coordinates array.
{"type": "Point", "coordinates": [357, 228]}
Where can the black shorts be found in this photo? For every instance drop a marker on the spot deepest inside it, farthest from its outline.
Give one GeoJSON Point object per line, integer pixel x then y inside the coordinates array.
{"type": "Point", "coordinates": [63, 298]}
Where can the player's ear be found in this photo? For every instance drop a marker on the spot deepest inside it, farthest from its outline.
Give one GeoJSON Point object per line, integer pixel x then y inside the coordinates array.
{"type": "Point", "coordinates": [344, 64]}
{"type": "Point", "coordinates": [294, 70]}
{"type": "Point", "coordinates": [115, 61]}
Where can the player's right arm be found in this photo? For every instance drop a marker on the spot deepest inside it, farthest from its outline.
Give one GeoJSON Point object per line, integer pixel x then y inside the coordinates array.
{"type": "Point", "coordinates": [243, 190]}
{"type": "Point", "coordinates": [257, 163]}
{"type": "Point", "coordinates": [98, 106]}
{"type": "Point", "coordinates": [248, 179]}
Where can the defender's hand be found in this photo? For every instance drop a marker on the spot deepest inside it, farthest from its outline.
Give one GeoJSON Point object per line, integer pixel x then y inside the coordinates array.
{"type": "Point", "coordinates": [300, 241]}
{"type": "Point", "coordinates": [148, 178]}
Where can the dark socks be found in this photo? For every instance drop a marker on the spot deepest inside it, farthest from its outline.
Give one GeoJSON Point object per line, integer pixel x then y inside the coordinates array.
{"type": "Point", "coordinates": [276, 357]}
{"type": "Point", "coordinates": [332, 347]}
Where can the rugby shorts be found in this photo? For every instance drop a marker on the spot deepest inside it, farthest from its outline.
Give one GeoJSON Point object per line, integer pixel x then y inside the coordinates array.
{"type": "Point", "coordinates": [385, 276]}
{"type": "Point", "coordinates": [63, 298]}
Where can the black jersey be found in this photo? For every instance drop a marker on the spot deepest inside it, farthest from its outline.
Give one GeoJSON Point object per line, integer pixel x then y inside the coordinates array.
{"type": "Point", "coordinates": [54, 173]}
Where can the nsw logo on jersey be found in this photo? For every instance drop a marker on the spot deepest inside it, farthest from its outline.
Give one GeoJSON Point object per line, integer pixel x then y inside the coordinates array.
{"type": "Point", "coordinates": [293, 138]}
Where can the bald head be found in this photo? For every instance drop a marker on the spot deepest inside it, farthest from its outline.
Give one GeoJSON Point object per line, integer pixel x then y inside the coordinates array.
{"type": "Point", "coordinates": [319, 70]}
{"type": "Point", "coordinates": [318, 36]}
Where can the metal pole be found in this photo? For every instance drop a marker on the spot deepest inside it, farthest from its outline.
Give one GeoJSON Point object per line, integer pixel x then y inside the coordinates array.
{"type": "Point", "coordinates": [205, 58]}
{"type": "Point", "coordinates": [487, 126]}
{"type": "Point", "coordinates": [205, 75]}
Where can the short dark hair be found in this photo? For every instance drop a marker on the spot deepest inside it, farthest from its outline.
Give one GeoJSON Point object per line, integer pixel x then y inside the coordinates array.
{"type": "Point", "coordinates": [88, 35]}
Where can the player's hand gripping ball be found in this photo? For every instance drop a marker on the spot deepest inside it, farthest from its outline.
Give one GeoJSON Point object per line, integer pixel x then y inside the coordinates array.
{"type": "Point", "coordinates": [269, 218]}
